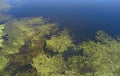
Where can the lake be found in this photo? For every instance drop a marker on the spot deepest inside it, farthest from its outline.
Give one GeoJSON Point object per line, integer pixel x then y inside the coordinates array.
{"type": "Point", "coordinates": [82, 17]}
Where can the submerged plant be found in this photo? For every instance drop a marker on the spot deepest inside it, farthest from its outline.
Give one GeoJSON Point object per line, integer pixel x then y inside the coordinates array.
{"type": "Point", "coordinates": [23, 40]}
{"type": "Point", "coordinates": [3, 59]}
{"type": "Point", "coordinates": [47, 66]}
{"type": "Point", "coordinates": [103, 55]}
{"type": "Point", "coordinates": [18, 31]}
{"type": "Point", "coordinates": [2, 27]}
{"type": "Point", "coordinates": [60, 43]}
{"type": "Point", "coordinates": [36, 48]}
{"type": "Point", "coordinates": [3, 62]}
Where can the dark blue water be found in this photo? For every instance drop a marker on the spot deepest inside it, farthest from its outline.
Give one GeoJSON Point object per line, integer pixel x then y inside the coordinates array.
{"type": "Point", "coordinates": [83, 17]}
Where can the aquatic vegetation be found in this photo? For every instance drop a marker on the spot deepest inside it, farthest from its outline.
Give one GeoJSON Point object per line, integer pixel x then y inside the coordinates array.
{"type": "Point", "coordinates": [2, 27]}
{"type": "Point", "coordinates": [103, 55]}
{"type": "Point", "coordinates": [34, 47]}
{"type": "Point", "coordinates": [4, 17]}
{"type": "Point", "coordinates": [20, 30]}
{"type": "Point", "coordinates": [47, 66]}
{"type": "Point", "coordinates": [3, 62]}
{"type": "Point", "coordinates": [25, 39]}
{"type": "Point", "coordinates": [60, 43]}
{"type": "Point", "coordinates": [3, 59]}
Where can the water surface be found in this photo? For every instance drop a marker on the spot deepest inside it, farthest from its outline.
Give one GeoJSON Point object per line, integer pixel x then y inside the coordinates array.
{"type": "Point", "coordinates": [83, 17]}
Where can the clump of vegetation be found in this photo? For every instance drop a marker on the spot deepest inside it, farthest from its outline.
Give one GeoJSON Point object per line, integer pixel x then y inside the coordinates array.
{"type": "Point", "coordinates": [2, 27]}
{"type": "Point", "coordinates": [18, 31]}
{"type": "Point", "coordinates": [100, 57]}
{"type": "Point", "coordinates": [3, 59]}
{"type": "Point", "coordinates": [60, 43]}
{"type": "Point", "coordinates": [3, 62]}
{"type": "Point", "coordinates": [47, 66]}
{"type": "Point", "coordinates": [34, 47]}
{"type": "Point", "coordinates": [23, 39]}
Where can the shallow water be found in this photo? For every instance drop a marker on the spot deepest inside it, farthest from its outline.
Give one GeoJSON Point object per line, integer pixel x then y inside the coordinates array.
{"type": "Point", "coordinates": [83, 17]}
